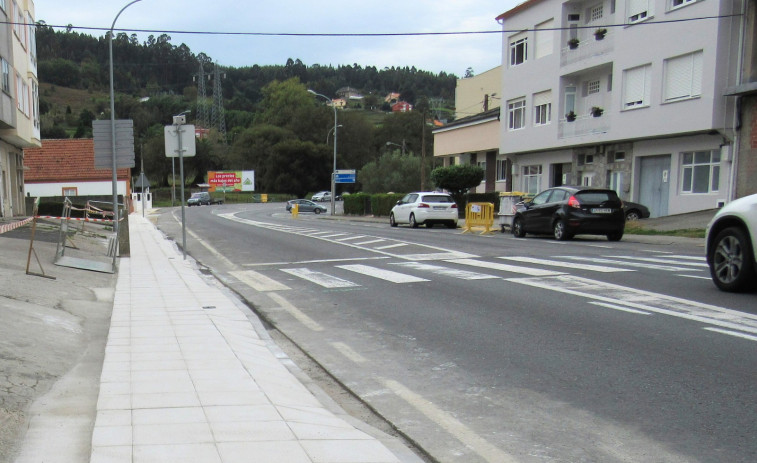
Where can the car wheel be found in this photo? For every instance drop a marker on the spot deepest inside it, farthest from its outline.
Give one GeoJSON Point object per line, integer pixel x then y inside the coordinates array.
{"type": "Point", "coordinates": [731, 264]}
{"type": "Point", "coordinates": [392, 221]}
{"type": "Point", "coordinates": [317, 211]}
{"type": "Point", "coordinates": [632, 215]}
{"type": "Point", "coordinates": [413, 223]}
{"type": "Point", "coordinates": [615, 236]}
{"type": "Point", "coordinates": [518, 230]}
{"type": "Point", "coordinates": [452, 224]}
{"type": "Point", "coordinates": [559, 231]}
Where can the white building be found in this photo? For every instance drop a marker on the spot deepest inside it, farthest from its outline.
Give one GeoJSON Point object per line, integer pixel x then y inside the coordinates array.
{"type": "Point", "coordinates": [662, 131]}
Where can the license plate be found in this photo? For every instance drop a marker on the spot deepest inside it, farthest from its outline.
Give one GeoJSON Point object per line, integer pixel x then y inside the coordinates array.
{"type": "Point", "coordinates": [601, 210]}
{"type": "Point", "coordinates": [440, 208]}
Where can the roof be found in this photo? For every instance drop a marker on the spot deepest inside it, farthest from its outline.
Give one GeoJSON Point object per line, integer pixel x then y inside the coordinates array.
{"type": "Point", "coordinates": [69, 159]}
{"type": "Point", "coordinates": [517, 9]}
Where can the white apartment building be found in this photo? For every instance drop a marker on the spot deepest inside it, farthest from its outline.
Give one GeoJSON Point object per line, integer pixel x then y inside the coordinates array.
{"type": "Point", "coordinates": [639, 107]}
{"type": "Point", "coordinates": [19, 100]}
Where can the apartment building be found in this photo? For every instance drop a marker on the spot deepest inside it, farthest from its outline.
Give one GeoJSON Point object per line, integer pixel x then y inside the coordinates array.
{"type": "Point", "coordinates": [626, 94]}
{"type": "Point", "coordinates": [473, 137]}
{"type": "Point", "coordinates": [19, 100]}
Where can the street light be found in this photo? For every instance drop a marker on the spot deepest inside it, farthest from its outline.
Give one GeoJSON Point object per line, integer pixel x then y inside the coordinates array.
{"type": "Point", "coordinates": [333, 171]}
{"type": "Point", "coordinates": [402, 146]}
{"type": "Point", "coordinates": [113, 123]}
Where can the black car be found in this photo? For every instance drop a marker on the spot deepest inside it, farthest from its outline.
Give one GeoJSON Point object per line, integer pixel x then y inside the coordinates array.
{"type": "Point", "coordinates": [635, 211]}
{"type": "Point", "coordinates": [567, 211]}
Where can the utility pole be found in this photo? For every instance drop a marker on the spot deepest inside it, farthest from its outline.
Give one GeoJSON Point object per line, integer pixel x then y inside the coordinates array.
{"type": "Point", "coordinates": [202, 99]}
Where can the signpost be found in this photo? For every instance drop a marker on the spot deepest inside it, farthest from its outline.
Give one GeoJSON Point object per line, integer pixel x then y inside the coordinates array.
{"type": "Point", "coordinates": [180, 141]}
{"type": "Point", "coordinates": [345, 176]}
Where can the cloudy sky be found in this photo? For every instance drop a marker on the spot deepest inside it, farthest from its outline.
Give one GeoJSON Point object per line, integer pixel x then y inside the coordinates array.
{"type": "Point", "coordinates": [448, 53]}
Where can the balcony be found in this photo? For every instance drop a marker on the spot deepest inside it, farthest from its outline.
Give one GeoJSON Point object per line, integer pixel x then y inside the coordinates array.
{"type": "Point", "coordinates": [584, 125]}
{"type": "Point", "coordinates": [588, 46]}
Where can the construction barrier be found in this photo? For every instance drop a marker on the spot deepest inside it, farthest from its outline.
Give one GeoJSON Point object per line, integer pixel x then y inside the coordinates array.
{"type": "Point", "coordinates": [479, 215]}
{"type": "Point", "coordinates": [14, 225]}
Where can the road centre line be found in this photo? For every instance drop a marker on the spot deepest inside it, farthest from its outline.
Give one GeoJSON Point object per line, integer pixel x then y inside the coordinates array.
{"type": "Point", "coordinates": [645, 300]}
{"type": "Point", "coordinates": [295, 312]}
{"type": "Point", "coordinates": [449, 423]}
{"type": "Point", "coordinates": [504, 267]}
{"type": "Point", "coordinates": [732, 333]}
{"type": "Point", "coordinates": [620, 307]}
{"type": "Point", "coordinates": [318, 261]}
{"type": "Point", "coordinates": [573, 265]}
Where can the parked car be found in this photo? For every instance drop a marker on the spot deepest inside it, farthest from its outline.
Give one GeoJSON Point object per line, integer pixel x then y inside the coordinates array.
{"type": "Point", "coordinates": [730, 245]}
{"type": "Point", "coordinates": [199, 199]}
{"type": "Point", "coordinates": [305, 205]}
{"type": "Point", "coordinates": [322, 196]}
{"type": "Point", "coordinates": [427, 208]}
{"type": "Point", "coordinates": [635, 211]}
{"type": "Point", "coordinates": [567, 211]}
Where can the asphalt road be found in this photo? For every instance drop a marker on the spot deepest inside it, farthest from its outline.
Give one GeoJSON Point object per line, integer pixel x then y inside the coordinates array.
{"type": "Point", "coordinates": [492, 348]}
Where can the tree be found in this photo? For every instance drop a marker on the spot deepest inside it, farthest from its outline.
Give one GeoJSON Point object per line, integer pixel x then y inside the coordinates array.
{"type": "Point", "coordinates": [457, 179]}
{"type": "Point", "coordinates": [391, 172]}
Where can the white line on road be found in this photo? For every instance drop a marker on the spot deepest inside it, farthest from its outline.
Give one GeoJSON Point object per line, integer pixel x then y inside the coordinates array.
{"type": "Point", "coordinates": [369, 242]}
{"type": "Point", "coordinates": [451, 272]}
{"type": "Point", "coordinates": [599, 260]}
{"type": "Point", "coordinates": [390, 246]}
{"type": "Point", "coordinates": [319, 278]}
{"type": "Point", "coordinates": [733, 333]}
{"type": "Point", "coordinates": [505, 267]}
{"type": "Point", "coordinates": [620, 307]}
{"type": "Point", "coordinates": [348, 352]}
{"type": "Point", "coordinates": [350, 238]}
{"type": "Point", "coordinates": [660, 261]}
{"type": "Point", "coordinates": [573, 265]}
{"type": "Point", "coordinates": [449, 423]}
{"type": "Point", "coordinates": [318, 261]}
{"type": "Point", "coordinates": [258, 281]}
{"type": "Point", "coordinates": [295, 312]}
{"type": "Point", "coordinates": [388, 275]}
{"type": "Point", "coordinates": [693, 276]}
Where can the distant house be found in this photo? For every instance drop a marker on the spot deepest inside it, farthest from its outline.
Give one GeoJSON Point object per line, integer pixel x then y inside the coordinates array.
{"type": "Point", "coordinates": [339, 103]}
{"type": "Point", "coordinates": [392, 98]}
{"type": "Point", "coordinates": [66, 167]}
{"type": "Point", "coordinates": [349, 93]}
{"type": "Point", "coordinates": [402, 107]}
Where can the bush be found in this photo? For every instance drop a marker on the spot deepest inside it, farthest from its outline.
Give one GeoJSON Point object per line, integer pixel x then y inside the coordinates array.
{"type": "Point", "coordinates": [355, 204]}
{"type": "Point", "coordinates": [382, 204]}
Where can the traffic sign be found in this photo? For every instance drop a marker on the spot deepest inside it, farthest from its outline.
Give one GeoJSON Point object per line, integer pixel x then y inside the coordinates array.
{"type": "Point", "coordinates": [345, 176]}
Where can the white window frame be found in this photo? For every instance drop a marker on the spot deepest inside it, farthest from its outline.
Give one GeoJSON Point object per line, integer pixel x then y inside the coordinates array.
{"type": "Point", "coordinates": [683, 77]}
{"type": "Point", "coordinates": [518, 49]}
{"type": "Point", "coordinates": [3, 5]}
{"type": "Point", "coordinates": [542, 102]}
{"type": "Point", "coordinates": [516, 114]}
{"type": "Point", "coordinates": [676, 4]}
{"type": "Point", "coordinates": [637, 87]}
{"type": "Point", "coordinates": [700, 163]}
{"type": "Point", "coordinates": [6, 75]}
{"type": "Point", "coordinates": [531, 181]}
{"type": "Point", "coordinates": [639, 10]}
{"type": "Point", "coordinates": [616, 181]}
{"type": "Point", "coordinates": [587, 178]}
{"type": "Point", "coordinates": [501, 170]}
{"type": "Point", "coordinates": [31, 33]}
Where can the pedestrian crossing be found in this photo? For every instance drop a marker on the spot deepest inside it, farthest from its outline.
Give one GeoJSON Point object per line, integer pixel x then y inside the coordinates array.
{"type": "Point", "coordinates": [336, 274]}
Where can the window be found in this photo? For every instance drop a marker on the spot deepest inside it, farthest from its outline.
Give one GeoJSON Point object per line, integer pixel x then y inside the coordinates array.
{"type": "Point", "coordinates": [615, 180]}
{"type": "Point", "coordinates": [19, 24]}
{"type": "Point", "coordinates": [501, 169]}
{"type": "Point", "coordinates": [570, 99]}
{"type": "Point", "coordinates": [545, 38]}
{"type": "Point", "coordinates": [3, 5]}
{"type": "Point", "coordinates": [619, 156]}
{"type": "Point", "coordinates": [6, 68]}
{"type": "Point", "coordinates": [636, 86]}
{"type": "Point", "coordinates": [679, 3]}
{"type": "Point", "coordinates": [516, 111]}
{"type": "Point", "coordinates": [482, 165]}
{"type": "Point", "coordinates": [531, 179]}
{"type": "Point", "coordinates": [543, 108]}
{"type": "Point", "coordinates": [518, 49]}
{"type": "Point", "coordinates": [700, 171]}
{"type": "Point", "coordinates": [683, 77]}
{"type": "Point", "coordinates": [70, 191]}
{"type": "Point", "coordinates": [595, 13]}
{"type": "Point", "coordinates": [592, 86]}
{"type": "Point", "coordinates": [35, 104]}
{"type": "Point", "coordinates": [639, 10]}
{"type": "Point", "coordinates": [32, 40]}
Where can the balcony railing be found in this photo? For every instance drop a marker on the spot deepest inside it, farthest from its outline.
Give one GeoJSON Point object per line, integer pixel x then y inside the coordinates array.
{"type": "Point", "coordinates": [584, 125]}
{"type": "Point", "coordinates": [588, 46]}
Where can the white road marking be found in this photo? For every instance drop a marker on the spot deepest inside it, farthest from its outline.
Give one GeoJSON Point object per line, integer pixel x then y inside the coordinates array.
{"type": "Point", "coordinates": [390, 246]}
{"type": "Point", "coordinates": [319, 278]}
{"type": "Point", "coordinates": [449, 423]}
{"type": "Point", "coordinates": [350, 238]}
{"type": "Point", "coordinates": [573, 265]}
{"type": "Point", "coordinates": [620, 307]}
{"type": "Point", "coordinates": [504, 267]}
{"type": "Point", "coordinates": [317, 261]}
{"type": "Point", "coordinates": [446, 271]}
{"type": "Point", "coordinates": [348, 352]}
{"type": "Point", "coordinates": [295, 312]}
{"type": "Point", "coordinates": [370, 242]}
{"type": "Point", "coordinates": [212, 250]}
{"type": "Point", "coordinates": [388, 275]}
{"type": "Point", "coordinates": [258, 281]}
{"type": "Point", "coordinates": [647, 265]}
{"type": "Point", "coordinates": [733, 333]}
{"type": "Point", "coordinates": [693, 276]}
{"type": "Point", "coordinates": [694, 258]}
{"type": "Point", "coordinates": [334, 235]}
{"type": "Point", "coordinates": [660, 261]}
{"type": "Point", "coordinates": [645, 300]}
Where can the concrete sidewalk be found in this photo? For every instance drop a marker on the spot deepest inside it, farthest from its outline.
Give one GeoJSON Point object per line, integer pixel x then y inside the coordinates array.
{"type": "Point", "coordinates": [187, 376]}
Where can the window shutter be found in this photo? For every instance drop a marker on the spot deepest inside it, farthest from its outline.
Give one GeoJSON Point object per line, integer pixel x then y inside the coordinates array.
{"type": "Point", "coordinates": [542, 98]}
{"type": "Point", "coordinates": [696, 74]}
{"type": "Point", "coordinates": [544, 38]}
{"type": "Point", "coordinates": [636, 7]}
{"type": "Point", "coordinates": [678, 78]}
{"type": "Point", "coordinates": [585, 89]}
{"type": "Point", "coordinates": [633, 86]}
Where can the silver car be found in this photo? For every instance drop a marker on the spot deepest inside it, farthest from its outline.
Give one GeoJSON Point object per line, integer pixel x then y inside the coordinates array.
{"type": "Point", "coordinates": [730, 245]}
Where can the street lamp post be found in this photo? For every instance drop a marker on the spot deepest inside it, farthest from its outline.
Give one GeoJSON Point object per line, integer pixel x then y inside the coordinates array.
{"type": "Point", "coordinates": [402, 146]}
{"type": "Point", "coordinates": [333, 171]}
{"type": "Point", "coordinates": [113, 121]}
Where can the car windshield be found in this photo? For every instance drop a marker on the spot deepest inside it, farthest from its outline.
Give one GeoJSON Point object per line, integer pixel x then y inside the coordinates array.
{"type": "Point", "coordinates": [596, 197]}
{"type": "Point", "coordinates": [196, 195]}
{"type": "Point", "coordinates": [437, 199]}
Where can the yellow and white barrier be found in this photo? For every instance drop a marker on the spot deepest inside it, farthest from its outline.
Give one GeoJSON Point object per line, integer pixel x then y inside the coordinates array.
{"type": "Point", "coordinates": [479, 215]}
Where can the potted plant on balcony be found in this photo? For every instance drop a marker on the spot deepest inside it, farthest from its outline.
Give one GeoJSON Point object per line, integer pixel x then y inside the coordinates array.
{"type": "Point", "coordinates": [573, 43]}
{"type": "Point", "coordinates": [570, 117]}
{"type": "Point", "coordinates": [600, 33]}
{"type": "Point", "coordinates": [596, 111]}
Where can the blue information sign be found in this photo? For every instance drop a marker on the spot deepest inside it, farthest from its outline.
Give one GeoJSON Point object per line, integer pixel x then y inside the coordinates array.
{"type": "Point", "coordinates": [345, 176]}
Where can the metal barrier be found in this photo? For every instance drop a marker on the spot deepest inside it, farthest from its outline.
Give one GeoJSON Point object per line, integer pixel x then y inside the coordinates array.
{"type": "Point", "coordinates": [94, 250]}
{"type": "Point", "coordinates": [479, 215]}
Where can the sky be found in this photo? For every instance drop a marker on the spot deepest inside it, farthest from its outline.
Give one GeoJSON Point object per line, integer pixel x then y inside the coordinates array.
{"type": "Point", "coordinates": [452, 54]}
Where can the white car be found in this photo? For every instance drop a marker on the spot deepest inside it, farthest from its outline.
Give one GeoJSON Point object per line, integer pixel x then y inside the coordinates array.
{"type": "Point", "coordinates": [730, 245]}
{"type": "Point", "coordinates": [427, 208]}
{"type": "Point", "coordinates": [322, 196]}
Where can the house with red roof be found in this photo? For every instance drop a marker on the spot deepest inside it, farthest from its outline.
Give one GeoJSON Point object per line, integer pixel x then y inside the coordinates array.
{"type": "Point", "coordinates": [66, 167]}
{"type": "Point", "coordinates": [402, 107]}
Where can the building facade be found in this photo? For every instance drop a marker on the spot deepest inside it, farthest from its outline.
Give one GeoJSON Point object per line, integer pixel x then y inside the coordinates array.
{"type": "Point", "coordinates": [625, 94]}
{"type": "Point", "coordinates": [19, 100]}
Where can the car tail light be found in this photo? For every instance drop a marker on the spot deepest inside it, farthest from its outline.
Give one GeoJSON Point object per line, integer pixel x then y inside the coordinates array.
{"type": "Point", "coordinates": [573, 202]}
{"type": "Point", "coordinates": [454, 206]}
{"type": "Point", "coordinates": [423, 205]}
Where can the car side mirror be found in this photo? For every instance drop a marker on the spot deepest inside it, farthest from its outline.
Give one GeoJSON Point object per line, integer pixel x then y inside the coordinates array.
{"type": "Point", "coordinates": [399, 203]}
